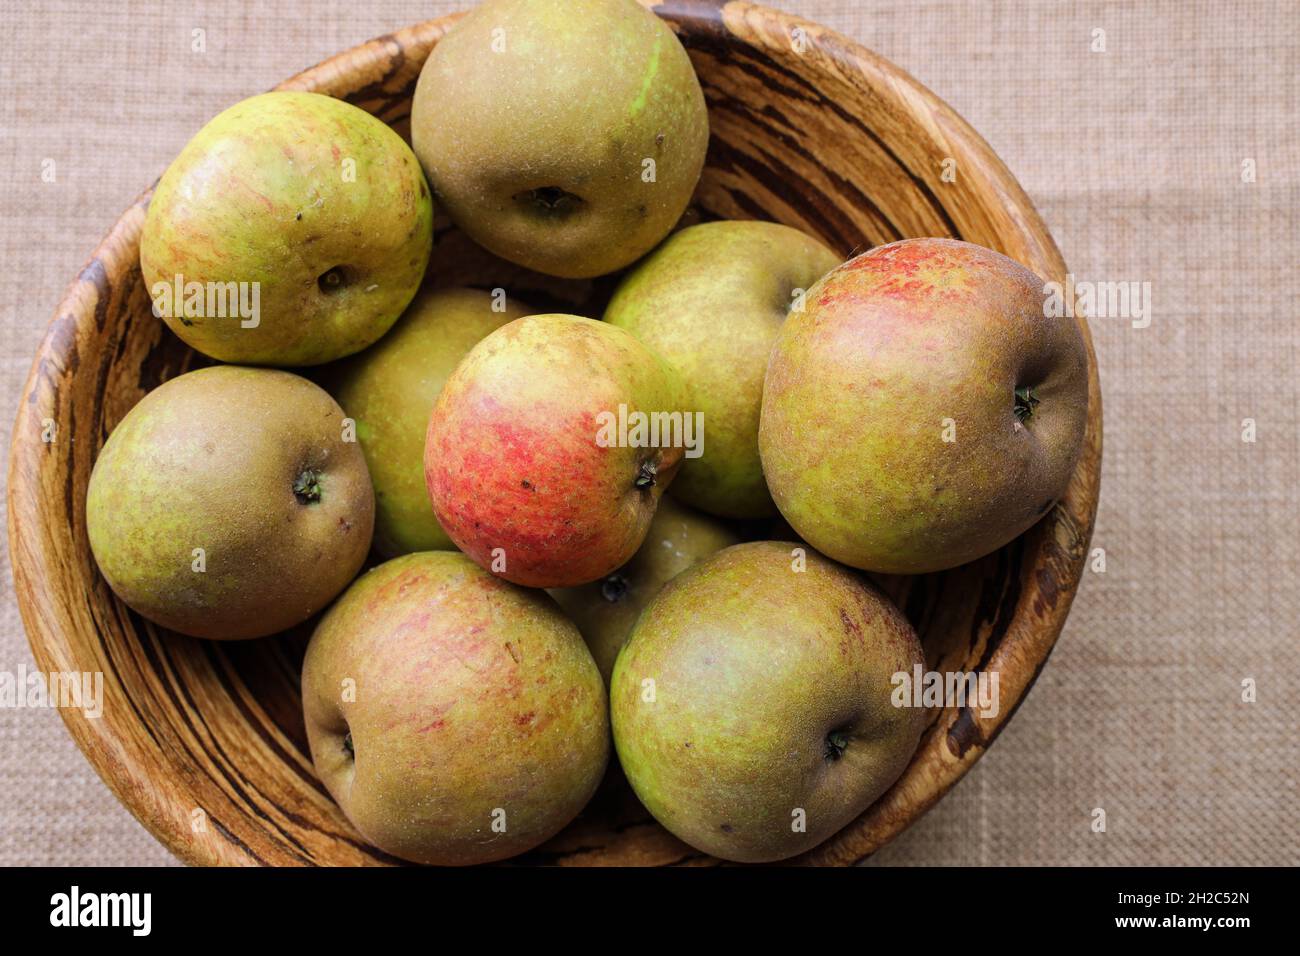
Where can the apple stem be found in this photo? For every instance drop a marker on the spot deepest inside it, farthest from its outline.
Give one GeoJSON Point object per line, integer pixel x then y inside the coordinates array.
{"type": "Point", "coordinates": [645, 476]}
{"type": "Point", "coordinates": [307, 486]}
{"type": "Point", "coordinates": [347, 745]}
{"type": "Point", "coordinates": [1026, 401]}
{"type": "Point", "coordinates": [836, 743]}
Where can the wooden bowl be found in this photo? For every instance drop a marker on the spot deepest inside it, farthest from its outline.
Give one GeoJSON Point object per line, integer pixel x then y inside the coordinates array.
{"type": "Point", "coordinates": [204, 741]}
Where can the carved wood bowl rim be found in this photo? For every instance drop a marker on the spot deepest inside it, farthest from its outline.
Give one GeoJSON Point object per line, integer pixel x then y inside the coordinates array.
{"type": "Point", "coordinates": [60, 594]}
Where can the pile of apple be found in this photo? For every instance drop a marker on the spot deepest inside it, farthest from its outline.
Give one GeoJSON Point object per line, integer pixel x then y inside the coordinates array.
{"type": "Point", "coordinates": [906, 411]}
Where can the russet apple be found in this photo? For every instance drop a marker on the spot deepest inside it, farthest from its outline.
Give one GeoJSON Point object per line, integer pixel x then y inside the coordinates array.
{"type": "Point", "coordinates": [924, 409]}
{"type": "Point", "coordinates": [710, 300]}
{"type": "Point", "coordinates": [563, 135]}
{"type": "Point", "coordinates": [455, 718]}
{"type": "Point", "coordinates": [227, 504]}
{"type": "Point", "coordinates": [605, 610]}
{"type": "Point", "coordinates": [292, 230]}
{"type": "Point", "coordinates": [752, 705]}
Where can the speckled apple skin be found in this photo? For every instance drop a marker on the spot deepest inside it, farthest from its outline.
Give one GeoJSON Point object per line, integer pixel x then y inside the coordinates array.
{"type": "Point", "coordinates": [468, 701]}
{"type": "Point", "coordinates": [753, 665]}
{"type": "Point", "coordinates": [711, 300]}
{"type": "Point", "coordinates": [606, 610]}
{"type": "Point", "coordinates": [572, 95]}
{"type": "Point", "coordinates": [262, 194]}
{"type": "Point", "coordinates": [512, 459]}
{"type": "Point", "coordinates": [209, 460]}
{"type": "Point", "coordinates": [895, 348]}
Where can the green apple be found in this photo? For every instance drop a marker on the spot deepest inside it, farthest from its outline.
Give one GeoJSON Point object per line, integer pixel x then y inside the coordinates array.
{"type": "Point", "coordinates": [228, 505]}
{"type": "Point", "coordinates": [752, 706]}
{"type": "Point", "coordinates": [924, 409]}
{"type": "Point", "coordinates": [710, 300]}
{"type": "Point", "coordinates": [389, 389]}
{"type": "Point", "coordinates": [540, 459]}
{"type": "Point", "coordinates": [563, 135]}
{"type": "Point", "coordinates": [605, 610]}
{"type": "Point", "coordinates": [455, 717]}
{"type": "Point", "coordinates": [293, 229]}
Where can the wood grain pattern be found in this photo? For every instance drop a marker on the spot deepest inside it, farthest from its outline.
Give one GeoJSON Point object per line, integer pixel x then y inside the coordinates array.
{"type": "Point", "coordinates": [204, 742]}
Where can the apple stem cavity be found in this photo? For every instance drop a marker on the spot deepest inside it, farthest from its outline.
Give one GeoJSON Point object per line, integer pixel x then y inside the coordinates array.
{"type": "Point", "coordinates": [836, 743]}
{"type": "Point", "coordinates": [307, 486]}
{"type": "Point", "coordinates": [645, 475]}
{"type": "Point", "coordinates": [550, 200]}
{"type": "Point", "coordinates": [332, 280]}
{"type": "Point", "coordinates": [613, 588]}
{"type": "Point", "coordinates": [1026, 402]}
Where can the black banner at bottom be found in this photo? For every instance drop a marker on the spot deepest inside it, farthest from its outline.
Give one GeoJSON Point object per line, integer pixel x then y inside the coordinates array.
{"type": "Point", "coordinates": [573, 905]}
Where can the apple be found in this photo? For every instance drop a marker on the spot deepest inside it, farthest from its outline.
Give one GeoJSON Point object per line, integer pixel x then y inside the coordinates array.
{"type": "Point", "coordinates": [710, 300]}
{"type": "Point", "coordinates": [564, 135]}
{"type": "Point", "coordinates": [924, 409]}
{"type": "Point", "coordinates": [389, 389]}
{"type": "Point", "coordinates": [455, 718]}
{"type": "Point", "coordinates": [293, 229]}
{"type": "Point", "coordinates": [605, 610]}
{"type": "Point", "coordinates": [227, 504]}
{"type": "Point", "coordinates": [752, 708]}
{"type": "Point", "coordinates": [534, 460]}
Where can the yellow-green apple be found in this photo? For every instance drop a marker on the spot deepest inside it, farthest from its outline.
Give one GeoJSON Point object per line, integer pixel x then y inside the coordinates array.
{"type": "Point", "coordinates": [710, 301]}
{"type": "Point", "coordinates": [924, 409]}
{"type": "Point", "coordinates": [563, 135]}
{"type": "Point", "coordinates": [605, 610]}
{"type": "Point", "coordinates": [752, 706]}
{"type": "Point", "coordinates": [389, 390]}
{"type": "Point", "coordinates": [549, 447]}
{"type": "Point", "coordinates": [455, 718]}
{"type": "Point", "coordinates": [228, 505]}
{"type": "Point", "coordinates": [293, 229]}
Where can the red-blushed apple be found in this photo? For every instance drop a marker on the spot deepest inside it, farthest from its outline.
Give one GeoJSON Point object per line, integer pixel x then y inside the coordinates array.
{"type": "Point", "coordinates": [924, 409]}
{"type": "Point", "coordinates": [753, 707]}
{"type": "Point", "coordinates": [455, 718]}
{"type": "Point", "coordinates": [549, 447]}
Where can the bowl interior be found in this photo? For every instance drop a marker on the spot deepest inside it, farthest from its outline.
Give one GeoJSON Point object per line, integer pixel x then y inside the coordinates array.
{"type": "Point", "coordinates": [204, 742]}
